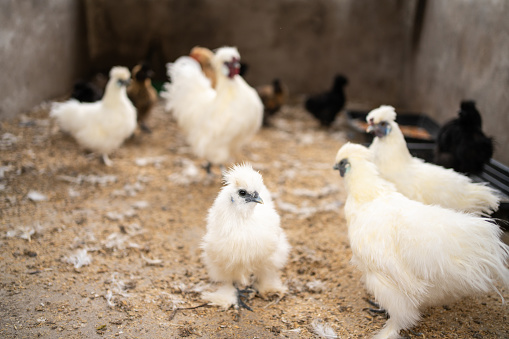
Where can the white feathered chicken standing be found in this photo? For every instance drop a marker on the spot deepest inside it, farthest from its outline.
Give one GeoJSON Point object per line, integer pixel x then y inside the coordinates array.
{"type": "Point", "coordinates": [216, 122]}
{"type": "Point", "coordinates": [414, 255]}
{"type": "Point", "coordinates": [243, 239]}
{"type": "Point", "coordinates": [421, 181]}
{"type": "Point", "coordinates": [101, 126]}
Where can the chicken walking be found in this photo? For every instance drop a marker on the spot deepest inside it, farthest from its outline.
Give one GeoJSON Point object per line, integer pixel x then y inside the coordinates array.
{"type": "Point", "coordinates": [101, 126]}
{"type": "Point", "coordinates": [414, 255]}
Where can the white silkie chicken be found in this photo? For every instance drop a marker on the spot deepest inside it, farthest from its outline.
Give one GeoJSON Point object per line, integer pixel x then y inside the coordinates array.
{"type": "Point", "coordinates": [101, 126]}
{"type": "Point", "coordinates": [421, 181]}
{"type": "Point", "coordinates": [414, 255]}
{"type": "Point", "coordinates": [216, 122]}
{"type": "Point", "coordinates": [243, 238]}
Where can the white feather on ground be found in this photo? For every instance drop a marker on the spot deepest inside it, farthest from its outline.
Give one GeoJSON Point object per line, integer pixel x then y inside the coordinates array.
{"type": "Point", "coordinates": [189, 174]}
{"type": "Point", "coordinates": [79, 259]}
{"type": "Point", "coordinates": [323, 330]}
{"type": "Point", "coordinates": [414, 255]}
{"type": "Point", "coordinates": [101, 180]}
{"type": "Point", "coordinates": [36, 196]}
{"type": "Point", "coordinates": [216, 122]}
{"type": "Point", "coordinates": [243, 238]}
{"type": "Point", "coordinates": [100, 126]}
{"type": "Point", "coordinates": [421, 181]}
{"type": "Point", "coordinates": [25, 232]}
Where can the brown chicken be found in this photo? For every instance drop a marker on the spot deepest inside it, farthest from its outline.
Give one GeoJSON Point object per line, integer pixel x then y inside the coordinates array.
{"type": "Point", "coordinates": [273, 97]}
{"type": "Point", "coordinates": [204, 57]}
{"type": "Point", "coordinates": [142, 94]}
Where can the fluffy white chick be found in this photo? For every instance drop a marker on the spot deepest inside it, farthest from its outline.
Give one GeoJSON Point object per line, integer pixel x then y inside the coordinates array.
{"type": "Point", "coordinates": [216, 122]}
{"type": "Point", "coordinates": [243, 238]}
{"type": "Point", "coordinates": [101, 126]}
{"type": "Point", "coordinates": [421, 181]}
{"type": "Point", "coordinates": [411, 254]}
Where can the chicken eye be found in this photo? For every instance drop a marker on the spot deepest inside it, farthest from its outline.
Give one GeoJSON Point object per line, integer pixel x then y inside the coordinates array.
{"type": "Point", "coordinates": [383, 123]}
{"type": "Point", "coordinates": [242, 193]}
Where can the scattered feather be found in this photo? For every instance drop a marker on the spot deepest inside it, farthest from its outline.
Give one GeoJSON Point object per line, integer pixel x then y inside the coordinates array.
{"type": "Point", "coordinates": [323, 330]}
{"type": "Point", "coordinates": [323, 192]}
{"type": "Point", "coordinates": [7, 141]}
{"type": "Point", "coordinates": [133, 229]}
{"type": "Point", "coordinates": [117, 287]}
{"type": "Point", "coordinates": [109, 298]}
{"type": "Point", "coordinates": [190, 173]}
{"type": "Point", "coordinates": [152, 262]}
{"type": "Point", "coordinates": [101, 180]}
{"type": "Point", "coordinates": [79, 258]}
{"type": "Point", "coordinates": [25, 232]}
{"type": "Point", "coordinates": [36, 196]}
{"type": "Point", "coordinates": [115, 216]}
{"type": "Point", "coordinates": [316, 286]}
{"type": "Point", "coordinates": [156, 161]}
{"type": "Point", "coordinates": [119, 241]}
{"type": "Point", "coordinates": [129, 190]}
{"type": "Point", "coordinates": [140, 204]}
{"type": "Point", "coordinates": [307, 211]}
{"type": "Point", "coordinates": [73, 193]}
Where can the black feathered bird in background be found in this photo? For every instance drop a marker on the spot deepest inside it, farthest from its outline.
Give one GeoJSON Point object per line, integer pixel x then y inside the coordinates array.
{"type": "Point", "coordinates": [326, 106]}
{"type": "Point", "coordinates": [91, 90]}
{"type": "Point", "coordinates": [461, 143]}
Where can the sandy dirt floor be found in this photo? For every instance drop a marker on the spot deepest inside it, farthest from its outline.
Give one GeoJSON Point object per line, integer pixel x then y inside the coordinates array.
{"type": "Point", "coordinates": [141, 221]}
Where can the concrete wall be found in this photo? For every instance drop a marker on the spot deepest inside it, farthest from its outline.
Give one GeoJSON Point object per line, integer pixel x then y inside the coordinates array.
{"type": "Point", "coordinates": [42, 51]}
{"type": "Point", "coordinates": [463, 53]}
{"type": "Point", "coordinates": [460, 51]}
{"type": "Point", "coordinates": [303, 42]}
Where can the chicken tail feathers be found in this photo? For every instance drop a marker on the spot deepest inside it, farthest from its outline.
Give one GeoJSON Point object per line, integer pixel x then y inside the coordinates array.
{"type": "Point", "coordinates": [484, 199]}
{"type": "Point", "coordinates": [65, 114]}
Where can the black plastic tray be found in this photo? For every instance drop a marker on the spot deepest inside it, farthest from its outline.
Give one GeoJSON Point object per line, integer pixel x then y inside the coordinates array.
{"type": "Point", "coordinates": [403, 119]}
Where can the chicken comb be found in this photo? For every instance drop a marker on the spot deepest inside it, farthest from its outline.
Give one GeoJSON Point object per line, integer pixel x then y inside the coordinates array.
{"type": "Point", "coordinates": [382, 113]}
{"type": "Point", "coordinates": [120, 72]}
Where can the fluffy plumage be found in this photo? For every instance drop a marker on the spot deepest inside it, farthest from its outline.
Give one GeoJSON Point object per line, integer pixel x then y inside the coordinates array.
{"type": "Point", "coordinates": [414, 255]}
{"type": "Point", "coordinates": [216, 122]}
{"type": "Point", "coordinates": [100, 126]}
{"type": "Point", "coordinates": [417, 180]}
{"type": "Point", "coordinates": [325, 106]}
{"type": "Point", "coordinates": [244, 238]}
{"type": "Point", "coordinates": [273, 97]}
{"type": "Point", "coordinates": [142, 94]}
{"type": "Point", "coordinates": [461, 143]}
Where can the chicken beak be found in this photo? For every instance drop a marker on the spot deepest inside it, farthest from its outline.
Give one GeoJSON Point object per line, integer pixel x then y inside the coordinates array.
{"type": "Point", "coordinates": [255, 197]}
{"type": "Point", "coordinates": [343, 166]}
{"type": "Point", "coordinates": [258, 200]}
{"type": "Point", "coordinates": [124, 82]}
{"type": "Point", "coordinates": [370, 128]}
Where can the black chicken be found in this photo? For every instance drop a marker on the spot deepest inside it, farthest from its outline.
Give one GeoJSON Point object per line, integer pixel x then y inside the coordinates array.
{"type": "Point", "coordinates": [461, 143]}
{"type": "Point", "coordinates": [85, 91]}
{"type": "Point", "coordinates": [325, 106]}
